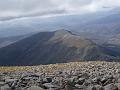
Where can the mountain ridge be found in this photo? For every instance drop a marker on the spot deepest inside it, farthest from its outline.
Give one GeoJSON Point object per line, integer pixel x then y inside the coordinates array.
{"type": "Point", "coordinates": [50, 48]}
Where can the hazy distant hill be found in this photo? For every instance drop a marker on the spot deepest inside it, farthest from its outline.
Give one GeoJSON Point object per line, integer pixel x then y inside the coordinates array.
{"type": "Point", "coordinates": [9, 40]}
{"type": "Point", "coordinates": [5, 41]}
{"type": "Point", "coordinates": [101, 27]}
{"type": "Point", "coordinates": [52, 47]}
{"type": "Point", "coordinates": [76, 22]}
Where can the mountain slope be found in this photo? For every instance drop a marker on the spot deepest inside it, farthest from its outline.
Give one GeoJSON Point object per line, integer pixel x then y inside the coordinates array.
{"type": "Point", "coordinates": [51, 47]}
{"type": "Point", "coordinates": [5, 41]}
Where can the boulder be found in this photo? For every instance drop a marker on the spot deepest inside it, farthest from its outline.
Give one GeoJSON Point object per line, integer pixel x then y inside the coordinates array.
{"type": "Point", "coordinates": [111, 87]}
{"type": "Point", "coordinates": [35, 88]}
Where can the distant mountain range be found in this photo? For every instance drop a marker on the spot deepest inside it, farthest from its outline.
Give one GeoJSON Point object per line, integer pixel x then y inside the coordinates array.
{"type": "Point", "coordinates": [101, 27]}
{"type": "Point", "coordinates": [77, 23]}
{"type": "Point", "coordinates": [34, 41]}
{"type": "Point", "coordinates": [52, 47]}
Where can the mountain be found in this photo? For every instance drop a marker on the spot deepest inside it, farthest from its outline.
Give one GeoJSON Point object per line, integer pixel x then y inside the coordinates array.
{"type": "Point", "coordinates": [52, 47]}
{"type": "Point", "coordinates": [9, 40]}
{"type": "Point", "coordinates": [100, 27]}
{"type": "Point", "coordinates": [108, 25]}
{"type": "Point", "coordinates": [5, 41]}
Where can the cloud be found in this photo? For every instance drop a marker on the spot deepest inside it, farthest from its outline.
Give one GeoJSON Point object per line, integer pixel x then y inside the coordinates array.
{"type": "Point", "coordinates": [10, 9]}
{"type": "Point", "coordinates": [109, 3]}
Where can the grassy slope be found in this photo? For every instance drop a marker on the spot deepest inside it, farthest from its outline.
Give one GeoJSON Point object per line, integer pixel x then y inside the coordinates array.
{"type": "Point", "coordinates": [52, 67]}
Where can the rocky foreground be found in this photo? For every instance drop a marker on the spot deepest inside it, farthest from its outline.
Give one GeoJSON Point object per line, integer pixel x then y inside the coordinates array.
{"type": "Point", "coordinates": [69, 76]}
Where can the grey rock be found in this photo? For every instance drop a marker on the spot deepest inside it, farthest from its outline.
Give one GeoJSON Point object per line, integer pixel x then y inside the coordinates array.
{"type": "Point", "coordinates": [77, 86]}
{"type": "Point", "coordinates": [88, 76]}
{"type": "Point", "coordinates": [118, 85]}
{"type": "Point", "coordinates": [91, 88]}
{"type": "Point", "coordinates": [68, 87]}
{"type": "Point", "coordinates": [35, 88]}
{"type": "Point", "coordinates": [80, 81]}
{"type": "Point", "coordinates": [111, 87]}
{"type": "Point", "coordinates": [5, 87]}
{"type": "Point", "coordinates": [10, 80]}
{"type": "Point", "coordinates": [49, 85]}
{"type": "Point", "coordinates": [2, 83]}
{"type": "Point", "coordinates": [47, 80]}
{"type": "Point", "coordinates": [98, 87]}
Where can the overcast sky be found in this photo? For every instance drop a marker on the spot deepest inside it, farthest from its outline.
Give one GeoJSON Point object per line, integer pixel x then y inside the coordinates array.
{"type": "Point", "coordinates": [29, 8]}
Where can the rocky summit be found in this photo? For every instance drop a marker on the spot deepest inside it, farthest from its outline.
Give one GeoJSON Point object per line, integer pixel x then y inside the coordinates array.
{"type": "Point", "coordinates": [67, 76]}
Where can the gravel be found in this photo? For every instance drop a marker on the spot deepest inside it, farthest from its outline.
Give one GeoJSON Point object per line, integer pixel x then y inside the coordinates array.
{"type": "Point", "coordinates": [68, 76]}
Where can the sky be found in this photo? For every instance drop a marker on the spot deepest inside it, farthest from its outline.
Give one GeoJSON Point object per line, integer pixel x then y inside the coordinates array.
{"type": "Point", "coordinates": [10, 9]}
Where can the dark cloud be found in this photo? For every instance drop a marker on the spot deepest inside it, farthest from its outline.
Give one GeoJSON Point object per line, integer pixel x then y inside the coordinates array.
{"type": "Point", "coordinates": [10, 9]}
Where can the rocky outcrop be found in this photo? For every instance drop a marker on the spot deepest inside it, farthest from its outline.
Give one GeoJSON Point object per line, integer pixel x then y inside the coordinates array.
{"type": "Point", "coordinates": [75, 76]}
